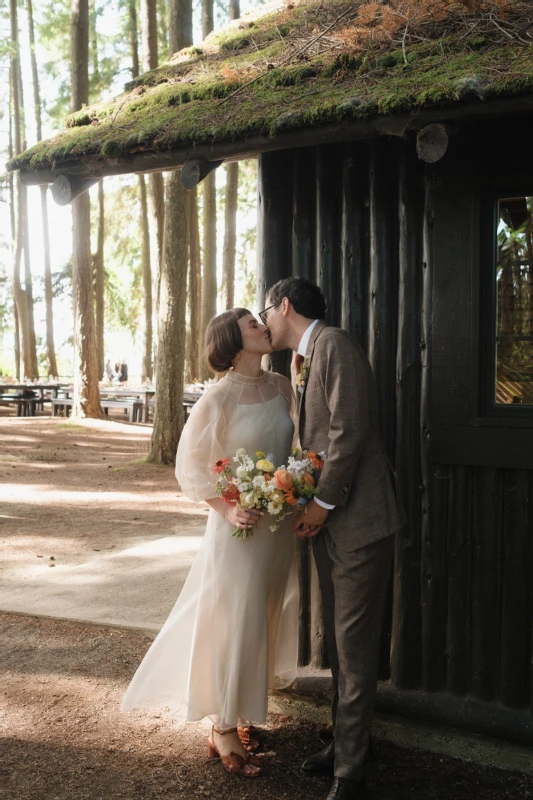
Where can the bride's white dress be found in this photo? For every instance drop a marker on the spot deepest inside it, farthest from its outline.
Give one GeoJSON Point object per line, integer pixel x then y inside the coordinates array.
{"type": "Point", "coordinates": [232, 634]}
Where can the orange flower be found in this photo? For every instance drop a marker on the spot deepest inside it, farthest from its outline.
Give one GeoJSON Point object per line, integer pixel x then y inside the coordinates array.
{"type": "Point", "coordinates": [290, 498]}
{"type": "Point", "coordinates": [315, 460]}
{"type": "Point", "coordinates": [231, 494]}
{"type": "Point", "coordinates": [308, 479]}
{"type": "Point", "coordinates": [220, 465]}
{"type": "Point", "coordinates": [283, 479]}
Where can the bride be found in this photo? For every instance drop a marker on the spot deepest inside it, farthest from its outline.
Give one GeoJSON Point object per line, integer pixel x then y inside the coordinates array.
{"type": "Point", "coordinates": [232, 634]}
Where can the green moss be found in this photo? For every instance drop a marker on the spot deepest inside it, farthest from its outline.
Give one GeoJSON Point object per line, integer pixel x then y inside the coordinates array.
{"type": "Point", "coordinates": [180, 103]}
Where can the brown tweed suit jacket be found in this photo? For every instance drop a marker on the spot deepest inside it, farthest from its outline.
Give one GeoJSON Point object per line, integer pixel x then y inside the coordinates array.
{"type": "Point", "coordinates": [339, 414]}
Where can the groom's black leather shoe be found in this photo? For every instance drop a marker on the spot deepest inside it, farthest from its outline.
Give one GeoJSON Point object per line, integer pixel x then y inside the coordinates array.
{"type": "Point", "coordinates": [346, 789]}
{"type": "Point", "coordinates": [321, 763]}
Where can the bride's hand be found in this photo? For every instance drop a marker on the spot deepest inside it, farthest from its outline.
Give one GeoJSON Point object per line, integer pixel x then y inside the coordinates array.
{"type": "Point", "coordinates": [242, 518]}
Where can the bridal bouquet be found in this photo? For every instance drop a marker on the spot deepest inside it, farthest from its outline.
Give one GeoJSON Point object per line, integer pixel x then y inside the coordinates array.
{"type": "Point", "coordinates": [260, 485]}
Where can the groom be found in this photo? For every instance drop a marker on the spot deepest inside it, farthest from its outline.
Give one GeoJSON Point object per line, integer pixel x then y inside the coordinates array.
{"type": "Point", "coordinates": [352, 522]}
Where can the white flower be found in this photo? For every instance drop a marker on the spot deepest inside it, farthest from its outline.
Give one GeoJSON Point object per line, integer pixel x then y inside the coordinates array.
{"type": "Point", "coordinates": [274, 508]}
{"type": "Point", "coordinates": [245, 486]}
{"type": "Point", "coordinates": [240, 472]}
{"type": "Point", "coordinates": [259, 481]}
{"type": "Point", "coordinates": [251, 499]}
{"type": "Point", "coordinates": [241, 451]}
{"type": "Point", "coordinates": [268, 488]}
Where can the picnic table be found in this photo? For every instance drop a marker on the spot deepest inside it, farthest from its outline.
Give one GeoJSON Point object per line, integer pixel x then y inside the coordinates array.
{"type": "Point", "coordinates": [143, 395]}
{"type": "Point", "coordinates": [11, 393]}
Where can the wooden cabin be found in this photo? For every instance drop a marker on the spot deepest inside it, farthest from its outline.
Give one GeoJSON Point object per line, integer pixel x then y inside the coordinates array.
{"type": "Point", "coordinates": [396, 170]}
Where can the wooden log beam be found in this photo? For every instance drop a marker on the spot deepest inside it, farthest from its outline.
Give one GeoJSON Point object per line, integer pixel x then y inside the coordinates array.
{"type": "Point", "coordinates": [193, 172]}
{"type": "Point", "coordinates": [251, 146]}
{"type": "Point", "coordinates": [66, 188]}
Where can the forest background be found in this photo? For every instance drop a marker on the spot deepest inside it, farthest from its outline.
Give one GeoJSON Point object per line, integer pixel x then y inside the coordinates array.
{"type": "Point", "coordinates": [118, 207]}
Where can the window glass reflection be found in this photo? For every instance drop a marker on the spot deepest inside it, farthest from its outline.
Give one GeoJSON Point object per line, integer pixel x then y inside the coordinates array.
{"type": "Point", "coordinates": [514, 321]}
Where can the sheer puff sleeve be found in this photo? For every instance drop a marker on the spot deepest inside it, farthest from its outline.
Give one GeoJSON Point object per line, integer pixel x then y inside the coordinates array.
{"type": "Point", "coordinates": [200, 446]}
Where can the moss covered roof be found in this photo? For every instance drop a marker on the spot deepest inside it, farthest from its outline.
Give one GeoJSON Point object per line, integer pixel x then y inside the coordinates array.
{"type": "Point", "coordinates": [304, 65]}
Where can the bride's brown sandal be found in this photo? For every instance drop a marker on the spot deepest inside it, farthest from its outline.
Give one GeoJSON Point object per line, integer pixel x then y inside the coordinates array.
{"type": "Point", "coordinates": [233, 763]}
{"type": "Point", "coordinates": [245, 735]}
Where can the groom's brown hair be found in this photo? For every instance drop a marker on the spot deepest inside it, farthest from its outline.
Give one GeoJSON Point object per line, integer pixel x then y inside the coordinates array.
{"type": "Point", "coordinates": [304, 296]}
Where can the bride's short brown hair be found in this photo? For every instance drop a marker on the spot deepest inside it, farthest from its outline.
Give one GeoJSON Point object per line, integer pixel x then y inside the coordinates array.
{"type": "Point", "coordinates": [223, 339]}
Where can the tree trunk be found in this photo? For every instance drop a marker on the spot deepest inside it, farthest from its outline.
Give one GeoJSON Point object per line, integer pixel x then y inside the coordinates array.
{"type": "Point", "coordinates": [50, 346]}
{"type": "Point", "coordinates": [230, 235]}
{"type": "Point", "coordinates": [180, 19]}
{"type": "Point", "coordinates": [168, 418]}
{"type": "Point", "coordinates": [194, 292]}
{"type": "Point", "coordinates": [207, 17]}
{"type": "Point", "coordinates": [234, 9]}
{"type": "Point", "coordinates": [86, 371]}
{"type": "Point", "coordinates": [99, 282]}
{"type": "Point", "coordinates": [147, 369]}
{"type": "Point", "coordinates": [19, 295]}
{"type": "Point", "coordinates": [13, 221]}
{"type": "Point", "coordinates": [156, 186]}
{"type": "Point", "coordinates": [25, 296]}
{"type": "Point", "coordinates": [209, 276]}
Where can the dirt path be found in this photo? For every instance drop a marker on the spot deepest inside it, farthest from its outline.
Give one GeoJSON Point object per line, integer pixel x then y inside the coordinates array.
{"type": "Point", "coordinates": [70, 490]}
{"type": "Point", "coordinates": [65, 738]}
{"type": "Point", "coordinates": [75, 492]}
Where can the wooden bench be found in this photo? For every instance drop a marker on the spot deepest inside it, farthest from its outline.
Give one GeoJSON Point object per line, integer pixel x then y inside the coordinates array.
{"type": "Point", "coordinates": [61, 406]}
{"type": "Point", "coordinates": [26, 406]}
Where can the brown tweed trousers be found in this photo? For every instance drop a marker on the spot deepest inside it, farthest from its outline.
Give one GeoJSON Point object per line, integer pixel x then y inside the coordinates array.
{"type": "Point", "coordinates": [353, 554]}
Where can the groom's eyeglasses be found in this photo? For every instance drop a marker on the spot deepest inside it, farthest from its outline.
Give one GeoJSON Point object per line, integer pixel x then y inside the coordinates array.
{"type": "Point", "coordinates": [262, 314]}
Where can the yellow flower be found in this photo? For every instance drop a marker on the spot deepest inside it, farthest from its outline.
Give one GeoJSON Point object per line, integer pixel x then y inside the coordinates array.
{"type": "Point", "coordinates": [277, 496]}
{"type": "Point", "coordinates": [260, 454]}
{"type": "Point", "coordinates": [265, 466]}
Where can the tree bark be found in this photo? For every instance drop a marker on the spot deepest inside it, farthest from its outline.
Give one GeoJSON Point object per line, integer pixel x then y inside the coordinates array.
{"type": "Point", "coordinates": [168, 418]}
{"type": "Point", "coordinates": [207, 17]}
{"type": "Point", "coordinates": [194, 292]}
{"type": "Point", "coordinates": [86, 372]}
{"type": "Point", "coordinates": [209, 276]}
{"type": "Point", "coordinates": [230, 235]}
{"type": "Point", "coordinates": [19, 295]}
{"type": "Point", "coordinates": [50, 345]}
{"type": "Point", "coordinates": [13, 225]}
{"type": "Point", "coordinates": [99, 282]}
{"type": "Point", "coordinates": [147, 368]}
{"type": "Point", "coordinates": [156, 186]}
{"type": "Point", "coordinates": [180, 19]}
{"type": "Point", "coordinates": [234, 9]}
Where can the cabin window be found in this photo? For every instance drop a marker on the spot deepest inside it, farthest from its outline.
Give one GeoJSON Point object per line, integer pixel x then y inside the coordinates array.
{"type": "Point", "coordinates": [513, 342]}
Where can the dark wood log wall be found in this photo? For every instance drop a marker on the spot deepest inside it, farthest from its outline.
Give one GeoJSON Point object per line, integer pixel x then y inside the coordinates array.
{"type": "Point", "coordinates": [392, 244]}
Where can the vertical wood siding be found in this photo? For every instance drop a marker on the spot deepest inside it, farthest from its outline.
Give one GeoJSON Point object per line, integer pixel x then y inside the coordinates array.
{"type": "Point", "coordinates": [359, 218]}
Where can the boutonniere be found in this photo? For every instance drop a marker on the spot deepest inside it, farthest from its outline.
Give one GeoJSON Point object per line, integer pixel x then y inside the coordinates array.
{"type": "Point", "coordinates": [303, 374]}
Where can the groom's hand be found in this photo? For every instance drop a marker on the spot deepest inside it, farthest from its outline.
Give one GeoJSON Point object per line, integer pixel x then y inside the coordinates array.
{"type": "Point", "coordinates": [308, 522]}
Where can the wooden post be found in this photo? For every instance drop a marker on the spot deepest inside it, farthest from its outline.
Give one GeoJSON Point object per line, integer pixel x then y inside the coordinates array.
{"type": "Point", "coordinates": [304, 213]}
{"type": "Point", "coordinates": [355, 242]}
{"type": "Point", "coordinates": [405, 643]}
{"type": "Point", "coordinates": [458, 568]}
{"type": "Point", "coordinates": [274, 191]}
{"type": "Point", "coordinates": [516, 601]}
{"type": "Point", "coordinates": [382, 297]}
{"type": "Point", "coordinates": [328, 216]}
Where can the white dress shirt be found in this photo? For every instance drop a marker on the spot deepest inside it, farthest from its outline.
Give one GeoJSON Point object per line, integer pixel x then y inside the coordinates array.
{"type": "Point", "coordinates": [302, 350]}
